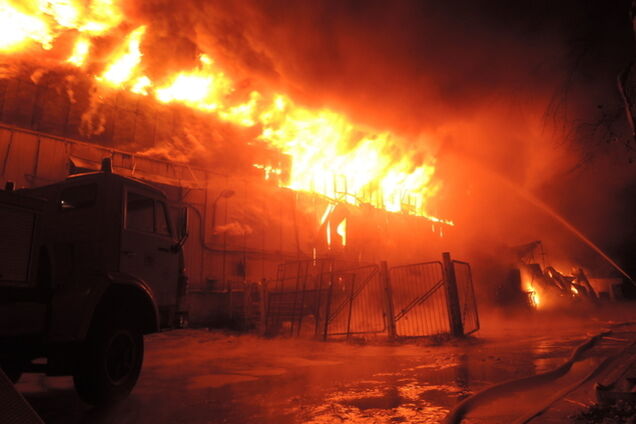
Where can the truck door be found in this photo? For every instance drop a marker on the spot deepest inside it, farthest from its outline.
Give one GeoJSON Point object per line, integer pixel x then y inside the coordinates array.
{"type": "Point", "coordinates": [23, 299]}
{"type": "Point", "coordinates": [147, 247]}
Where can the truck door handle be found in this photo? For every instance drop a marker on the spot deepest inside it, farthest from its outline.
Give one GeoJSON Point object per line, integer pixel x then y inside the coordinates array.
{"type": "Point", "coordinates": [128, 253]}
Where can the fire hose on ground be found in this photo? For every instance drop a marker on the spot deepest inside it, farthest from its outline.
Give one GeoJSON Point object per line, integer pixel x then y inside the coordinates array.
{"type": "Point", "coordinates": [457, 414]}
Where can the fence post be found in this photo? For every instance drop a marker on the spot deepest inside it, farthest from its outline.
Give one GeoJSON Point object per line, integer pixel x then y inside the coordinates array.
{"type": "Point", "coordinates": [388, 299]}
{"type": "Point", "coordinates": [452, 297]}
{"type": "Point", "coordinates": [262, 306]}
{"type": "Point", "coordinates": [325, 333]}
{"type": "Point", "coordinates": [247, 297]}
{"type": "Point", "coordinates": [351, 298]}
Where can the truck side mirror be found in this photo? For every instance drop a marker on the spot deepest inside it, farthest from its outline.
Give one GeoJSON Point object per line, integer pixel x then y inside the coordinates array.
{"type": "Point", "coordinates": [182, 225]}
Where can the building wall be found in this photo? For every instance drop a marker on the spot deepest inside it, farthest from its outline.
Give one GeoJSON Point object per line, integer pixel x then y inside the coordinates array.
{"type": "Point", "coordinates": [60, 104]}
{"type": "Point", "coordinates": [242, 226]}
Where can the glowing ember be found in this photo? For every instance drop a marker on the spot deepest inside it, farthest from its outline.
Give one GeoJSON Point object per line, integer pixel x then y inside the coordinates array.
{"type": "Point", "coordinates": [329, 154]}
{"type": "Point", "coordinates": [268, 170]}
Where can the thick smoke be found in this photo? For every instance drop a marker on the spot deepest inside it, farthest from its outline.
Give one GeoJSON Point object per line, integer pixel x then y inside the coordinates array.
{"type": "Point", "coordinates": [515, 97]}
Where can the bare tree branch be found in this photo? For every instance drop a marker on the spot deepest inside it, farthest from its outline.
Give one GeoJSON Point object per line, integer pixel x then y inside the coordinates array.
{"type": "Point", "coordinates": [622, 81]}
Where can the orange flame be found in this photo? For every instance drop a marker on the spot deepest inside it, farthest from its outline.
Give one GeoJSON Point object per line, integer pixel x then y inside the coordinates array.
{"type": "Point", "coordinates": [42, 21]}
{"type": "Point", "coordinates": [18, 28]}
{"type": "Point", "coordinates": [203, 88]}
{"type": "Point", "coordinates": [80, 52]}
{"type": "Point", "coordinates": [536, 300]}
{"type": "Point", "coordinates": [531, 290]}
{"type": "Point", "coordinates": [123, 68]}
{"type": "Point", "coordinates": [342, 231]}
{"type": "Point", "coordinates": [330, 155]}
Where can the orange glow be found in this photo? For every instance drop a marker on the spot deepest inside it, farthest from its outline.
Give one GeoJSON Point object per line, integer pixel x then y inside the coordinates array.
{"type": "Point", "coordinates": [574, 290]}
{"type": "Point", "coordinates": [330, 155]}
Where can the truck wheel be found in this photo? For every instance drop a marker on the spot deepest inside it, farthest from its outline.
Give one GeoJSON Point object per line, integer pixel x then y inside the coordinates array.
{"type": "Point", "coordinates": [109, 363]}
{"type": "Point", "coordinates": [12, 369]}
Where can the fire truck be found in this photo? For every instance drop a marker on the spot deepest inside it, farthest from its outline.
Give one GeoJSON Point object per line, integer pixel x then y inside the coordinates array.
{"type": "Point", "coordinates": [87, 267]}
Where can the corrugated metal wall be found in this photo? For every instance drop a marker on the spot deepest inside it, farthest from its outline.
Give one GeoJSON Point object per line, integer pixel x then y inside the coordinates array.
{"type": "Point", "coordinates": [56, 104]}
{"type": "Point", "coordinates": [244, 236]}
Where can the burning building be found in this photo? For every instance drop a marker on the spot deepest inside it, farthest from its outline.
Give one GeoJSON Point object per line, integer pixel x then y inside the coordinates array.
{"type": "Point", "coordinates": [267, 180]}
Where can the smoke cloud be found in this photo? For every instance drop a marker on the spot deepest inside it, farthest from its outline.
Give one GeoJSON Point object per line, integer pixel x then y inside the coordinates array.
{"type": "Point", "coordinates": [513, 96]}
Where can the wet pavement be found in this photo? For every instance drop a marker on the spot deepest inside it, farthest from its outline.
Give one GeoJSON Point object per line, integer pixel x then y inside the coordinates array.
{"type": "Point", "coordinates": [199, 376]}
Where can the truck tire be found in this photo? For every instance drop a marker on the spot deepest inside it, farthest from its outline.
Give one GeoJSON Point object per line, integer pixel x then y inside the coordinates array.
{"type": "Point", "coordinates": [12, 369]}
{"type": "Point", "coordinates": [109, 362]}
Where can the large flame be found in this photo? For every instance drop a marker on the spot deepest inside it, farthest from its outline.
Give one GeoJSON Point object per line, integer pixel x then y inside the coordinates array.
{"type": "Point", "coordinates": [124, 66]}
{"type": "Point", "coordinates": [533, 294]}
{"type": "Point", "coordinates": [41, 22]}
{"type": "Point", "coordinates": [330, 155]}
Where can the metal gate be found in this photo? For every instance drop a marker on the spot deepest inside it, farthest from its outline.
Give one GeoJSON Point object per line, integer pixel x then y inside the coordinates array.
{"type": "Point", "coordinates": [296, 302]}
{"type": "Point", "coordinates": [355, 304]}
{"type": "Point", "coordinates": [327, 298]}
{"type": "Point", "coordinates": [429, 299]}
{"type": "Point", "coordinates": [419, 299]}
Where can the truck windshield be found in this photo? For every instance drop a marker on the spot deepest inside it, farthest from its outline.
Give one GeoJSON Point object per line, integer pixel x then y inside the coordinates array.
{"type": "Point", "coordinates": [140, 212]}
{"type": "Point", "coordinates": [147, 215]}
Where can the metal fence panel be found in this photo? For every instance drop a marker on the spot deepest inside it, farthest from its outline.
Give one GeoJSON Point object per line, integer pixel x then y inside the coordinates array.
{"type": "Point", "coordinates": [356, 304]}
{"type": "Point", "coordinates": [296, 301]}
{"type": "Point", "coordinates": [419, 299]}
{"type": "Point", "coordinates": [467, 300]}
{"type": "Point", "coordinates": [326, 298]}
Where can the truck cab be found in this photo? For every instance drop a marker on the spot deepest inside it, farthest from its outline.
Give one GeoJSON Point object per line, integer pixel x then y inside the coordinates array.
{"type": "Point", "coordinates": [99, 263]}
